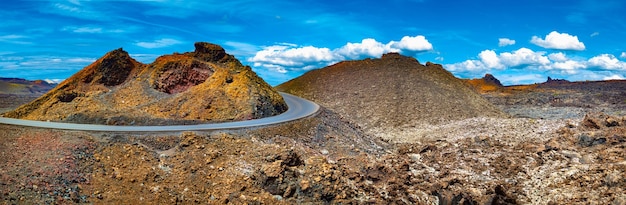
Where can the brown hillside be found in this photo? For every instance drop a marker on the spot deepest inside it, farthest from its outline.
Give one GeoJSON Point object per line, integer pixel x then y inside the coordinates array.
{"type": "Point", "coordinates": [388, 94]}
{"type": "Point", "coordinates": [207, 85]}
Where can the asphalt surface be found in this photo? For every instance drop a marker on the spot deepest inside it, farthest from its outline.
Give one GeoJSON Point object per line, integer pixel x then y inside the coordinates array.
{"type": "Point", "coordinates": [297, 108]}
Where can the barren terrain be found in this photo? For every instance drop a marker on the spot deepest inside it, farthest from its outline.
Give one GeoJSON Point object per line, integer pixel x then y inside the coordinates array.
{"type": "Point", "coordinates": [540, 154]}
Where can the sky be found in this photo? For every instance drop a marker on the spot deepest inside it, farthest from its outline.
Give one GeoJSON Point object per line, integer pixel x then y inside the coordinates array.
{"type": "Point", "coordinates": [519, 42]}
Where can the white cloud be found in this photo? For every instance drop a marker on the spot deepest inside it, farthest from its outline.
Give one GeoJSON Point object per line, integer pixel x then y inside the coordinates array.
{"type": "Point", "coordinates": [54, 81]}
{"type": "Point", "coordinates": [607, 62]}
{"type": "Point", "coordinates": [614, 77]}
{"type": "Point", "coordinates": [281, 57]}
{"type": "Point", "coordinates": [558, 57]}
{"type": "Point", "coordinates": [284, 57]}
{"type": "Point", "coordinates": [367, 47]}
{"type": "Point", "coordinates": [488, 59]}
{"type": "Point", "coordinates": [505, 42]}
{"type": "Point", "coordinates": [623, 55]}
{"type": "Point", "coordinates": [525, 58]}
{"type": "Point", "coordinates": [560, 41]}
{"type": "Point", "coordinates": [415, 43]}
{"type": "Point", "coordinates": [594, 34]}
{"type": "Point", "coordinates": [569, 65]}
{"type": "Point", "coordinates": [164, 42]}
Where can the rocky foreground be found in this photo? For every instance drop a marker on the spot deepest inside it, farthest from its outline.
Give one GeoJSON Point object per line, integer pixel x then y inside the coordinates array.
{"type": "Point", "coordinates": [323, 160]}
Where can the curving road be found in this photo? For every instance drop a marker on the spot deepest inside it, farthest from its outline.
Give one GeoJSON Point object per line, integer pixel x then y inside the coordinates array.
{"type": "Point", "coordinates": [298, 108]}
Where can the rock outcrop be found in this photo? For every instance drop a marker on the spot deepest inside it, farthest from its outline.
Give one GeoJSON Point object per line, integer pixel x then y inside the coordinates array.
{"type": "Point", "coordinates": [486, 84]}
{"type": "Point", "coordinates": [207, 85]}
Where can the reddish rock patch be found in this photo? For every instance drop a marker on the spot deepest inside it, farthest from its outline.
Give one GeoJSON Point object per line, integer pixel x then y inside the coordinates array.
{"type": "Point", "coordinates": [178, 76]}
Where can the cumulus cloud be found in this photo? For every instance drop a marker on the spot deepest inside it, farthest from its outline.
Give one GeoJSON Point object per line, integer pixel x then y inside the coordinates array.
{"type": "Point", "coordinates": [488, 59]}
{"type": "Point", "coordinates": [623, 55]}
{"type": "Point", "coordinates": [160, 43]}
{"type": "Point", "coordinates": [285, 57]}
{"type": "Point", "coordinates": [558, 57]}
{"type": "Point", "coordinates": [282, 57]}
{"type": "Point", "coordinates": [559, 41]}
{"type": "Point", "coordinates": [505, 42]}
{"type": "Point", "coordinates": [368, 47]}
{"type": "Point", "coordinates": [606, 62]}
{"type": "Point", "coordinates": [412, 43]}
{"type": "Point", "coordinates": [525, 58]}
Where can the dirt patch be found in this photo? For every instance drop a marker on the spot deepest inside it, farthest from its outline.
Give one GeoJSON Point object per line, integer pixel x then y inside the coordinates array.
{"type": "Point", "coordinates": [43, 166]}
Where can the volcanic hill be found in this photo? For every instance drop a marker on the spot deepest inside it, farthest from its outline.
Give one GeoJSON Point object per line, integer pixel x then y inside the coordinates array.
{"type": "Point", "coordinates": [18, 86]}
{"type": "Point", "coordinates": [207, 85]}
{"type": "Point", "coordinates": [385, 95]}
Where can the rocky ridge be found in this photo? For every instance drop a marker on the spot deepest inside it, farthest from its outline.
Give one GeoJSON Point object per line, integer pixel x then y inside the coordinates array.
{"type": "Point", "coordinates": [207, 85]}
{"type": "Point", "coordinates": [555, 98]}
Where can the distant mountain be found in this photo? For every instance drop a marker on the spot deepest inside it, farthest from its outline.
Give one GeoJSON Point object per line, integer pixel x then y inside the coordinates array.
{"type": "Point", "coordinates": [207, 85]}
{"type": "Point", "coordinates": [18, 86]}
{"type": "Point", "coordinates": [391, 93]}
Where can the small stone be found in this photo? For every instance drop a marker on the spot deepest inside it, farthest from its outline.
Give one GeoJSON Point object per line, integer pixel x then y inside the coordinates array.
{"type": "Point", "coordinates": [571, 154]}
{"type": "Point", "coordinates": [611, 122]}
{"type": "Point", "coordinates": [305, 184]}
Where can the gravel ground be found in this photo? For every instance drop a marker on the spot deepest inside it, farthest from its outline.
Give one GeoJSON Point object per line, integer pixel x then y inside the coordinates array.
{"type": "Point", "coordinates": [525, 129]}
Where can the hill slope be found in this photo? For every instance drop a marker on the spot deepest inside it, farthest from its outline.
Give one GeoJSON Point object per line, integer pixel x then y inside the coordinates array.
{"type": "Point", "coordinates": [388, 94]}
{"type": "Point", "coordinates": [207, 85]}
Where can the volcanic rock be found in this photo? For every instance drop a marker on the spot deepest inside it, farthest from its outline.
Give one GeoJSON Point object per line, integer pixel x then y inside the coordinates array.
{"type": "Point", "coordinates": [207, 85]}
{"type": "Point", "coordinates": [386, 95]}
{"type": "Point", "coordinates": [486, 84]}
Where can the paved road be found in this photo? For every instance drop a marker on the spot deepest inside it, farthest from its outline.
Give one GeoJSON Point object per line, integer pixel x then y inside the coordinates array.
{"type": "Point", "coordinates": [298, 108]}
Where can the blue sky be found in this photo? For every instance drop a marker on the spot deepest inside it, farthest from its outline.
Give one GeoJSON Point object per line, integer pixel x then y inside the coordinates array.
{"type": "Point", "coordinates": [517, 41]}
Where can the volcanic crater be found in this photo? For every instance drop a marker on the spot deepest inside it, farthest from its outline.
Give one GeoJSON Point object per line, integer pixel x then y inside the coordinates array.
{"type": "Point", "coordinates": [207, 85]}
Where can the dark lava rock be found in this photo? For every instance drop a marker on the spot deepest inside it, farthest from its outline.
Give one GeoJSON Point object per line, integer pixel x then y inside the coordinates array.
{"type": "Point", "coordinates": [113, 69]}
{"type": "Point", "coordinates": [492, 80]}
